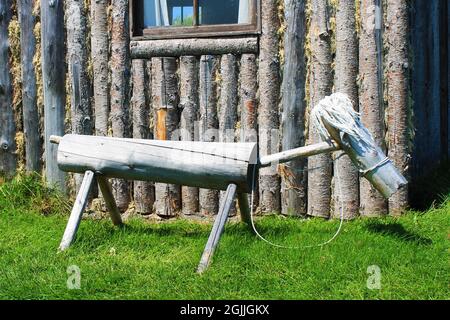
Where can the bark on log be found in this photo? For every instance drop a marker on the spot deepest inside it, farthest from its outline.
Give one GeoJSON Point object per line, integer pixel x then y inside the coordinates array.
{"type": "Point", "coordinates": [77, 60]}
{"type": "Point", "coordinates": [228, 106]}
{"type": "Point", "coordinates": [189, 105]}
{"type": "Point", "coordinates": [166, 114]}
{"type": "Point", "coordinates": [186, 47]}
{"type": "Point", "coordinates": [293, 178]}
{"type": "Point", "coordinates": [144, 193]}
{"type": "Point", "coordinates": [29, 91]}
{"type": "Point", "coordinates": [7, 125]}
{"type": "Point", "coordinates": [120, 87]}
{"type": "Point", "coordinates": [321, 82]}
{"type": "Point", "coordinates": [371, 105]}
{"type": "Point", "coordinates": [249, 105]}
{"type": "Point", "coordinates": [269, 84]}
{"type": "Point", "coordinates": [209, 123]}
{"type": "Point", "coordinates": [99, 55]}
{"type": "Point", "coordinates": [346, 178]}
{"type": "Point", "coordinates": [53, 73]}
{"type": "Point", "coordinates": [397, 35]}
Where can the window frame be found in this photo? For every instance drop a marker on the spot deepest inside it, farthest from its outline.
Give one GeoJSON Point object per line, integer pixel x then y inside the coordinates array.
{"type": "Point", "coordinates": [199, 31]}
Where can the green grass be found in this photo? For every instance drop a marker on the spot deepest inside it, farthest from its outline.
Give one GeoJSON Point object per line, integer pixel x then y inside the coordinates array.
{"type": "Point", "coordinates": [158, 261]}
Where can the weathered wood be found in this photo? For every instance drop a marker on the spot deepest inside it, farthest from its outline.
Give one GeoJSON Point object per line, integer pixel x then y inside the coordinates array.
{"type": "Point", "coordinates": [269, 87]}
{"type": "Point", "coordinates": [244, 208]}
{"type": "Point", "coordinates": [249, 105]}
{"type": "Point", "coordinates": [53, 78]}
{"type": "Point", "coordinates": [99, 56]}
{"type": "Point", "coordinates": [7, 125]}
{"type": "Point", "coordinates": [321, 82]}
{"type": "Point", "coordinates": [217, 230]}
{"type": "Point", "coordinates": [293, 179]}
{"type": "Point", "coordinates": [120, 87]}
{"type": "Point", "coordinates": [398, 113]}
{"type": "Point", "coordinates": [167, 117]}
{"type": "Point", "coordinates": [29, 92]}
{"type": "Point", "coordinates": [193, 47]}
{"type": "Point", "coordinates": [77, 211]}
{"type": "Point", "coordinates": [371, 105]}
{"type": "Point", "coordinates": [346, 74]}
{"type": "Point", "coordinates": [77, 60]}
{"type": "Point", "coordinates": [189, 104]}
{"type": "Point", "coordinates": [106, 190]}
{"type": "Point", "coordinates": [144, 192]}
{"type": "Point", "coordinates": [196, 164]}
{"type": "Point", "coordinates": [209, 123]}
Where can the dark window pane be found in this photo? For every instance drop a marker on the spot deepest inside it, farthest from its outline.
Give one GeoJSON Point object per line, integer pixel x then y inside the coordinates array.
{"type": "Point", "coordinates": [224, 11]}
{"type": "Point", "coordinates": [158, 13]}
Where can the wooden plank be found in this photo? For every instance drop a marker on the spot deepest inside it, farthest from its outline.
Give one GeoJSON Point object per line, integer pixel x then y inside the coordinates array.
{"type": "Point", "coordinates": [192, 47]}
{"type": "Point", "coordinates": [7, 125]}
{"type": "Point", "coordinates": [53, 73]}
{"type": "Point", "coordinates": [29, 91]}
{"type": "Point", "coordinates": [77, 211]}
{"type": "Point", "coordinates": [218, 227]}
{"type": "Point", "coordinates": [105, 189]}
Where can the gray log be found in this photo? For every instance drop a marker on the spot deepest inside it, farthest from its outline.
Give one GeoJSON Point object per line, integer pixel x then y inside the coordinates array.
{"type": "Point", "coordinates": [190, 47]}
{"type": "Point", "coordinates": [120, 87]}
{"type": "Point", "coordinates": [189, 104]}
{"type": "Point", "coordinates": [7, 125]}
{"type": "Point", "coordinates": [29, 91]}
{"type": "Point", "coordinates": [77, 211]}
{"type": "Point", "coordinates": [209, 123]}
{"type": "Point", "coordinates": [105, 189]}
{"type": "Point", "coordinates": [269, 87]}
{"type": "Point", "coordinates": [53, 73]}
{"type": "Point", "coordinates": [294, 177]}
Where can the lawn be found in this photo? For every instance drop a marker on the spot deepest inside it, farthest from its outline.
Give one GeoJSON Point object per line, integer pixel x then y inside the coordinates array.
{"type": "Point", "coordinates": [157, 260]}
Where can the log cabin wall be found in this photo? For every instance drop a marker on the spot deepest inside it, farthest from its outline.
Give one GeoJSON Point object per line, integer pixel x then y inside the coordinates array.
{"type": "Point", "coordinates": [390, 56]}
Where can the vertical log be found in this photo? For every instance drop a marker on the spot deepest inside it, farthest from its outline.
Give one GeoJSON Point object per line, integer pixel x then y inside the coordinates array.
{"type": "Point", "coordinates": [29, 90]}
{"type": "Point", "coordinates": [209, 199]}
{"type": "Point", "coordinates": [144, 194]}
{"type": "Point", "coordinates": [269, 84]}
{"type": "Point", "coordinates": [249, 103]}
{"type": "Point", "coordinates": [293, 173]}
{"type": "Point", "coordinates": [77, 60]}
{"type": "Point", "coordinates": [99, 54]}
{"type": "Point", "coordinates": [120, 87]}
{"type": "Point", "coordinates": [371, 105]}
{"type": "Point", "coordinates": [346, 181]}
{"type": "Point", "coordinates": [53, 74]}
{"type": "Point", "coordinates": [321, 82]}
{"type": "Point", "coordinates": [7, 125]}
{"type": "Point", "coordinates": [397, 29]}
{"type": "Point", "coordinates": [165, 105]}
{"type": "Point", "coordinates": [189, 104]}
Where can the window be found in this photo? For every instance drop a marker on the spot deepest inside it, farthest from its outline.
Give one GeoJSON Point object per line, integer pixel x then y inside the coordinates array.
{"type": "Point", "coordinates": [193, 18]}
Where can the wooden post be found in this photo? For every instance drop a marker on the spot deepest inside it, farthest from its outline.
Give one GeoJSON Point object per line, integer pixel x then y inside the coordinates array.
{"type": "Point", "coordinates": [120, 85]}
{"type": "Point", "coordinates": [244, 208]}
{"type": "Point", "coordinates": [346, 73]}
{"type": "Point", "coordinates": [218, 227]}
{"type": "Point", "coordinates": [293, 177]}
{"type": "Point", "coordinates": [321, 82]}
{"type": "Point", "coordinates": [189, 104]}
{"type": "Point", "coordinates": [209, 123]}
{"type": "Point", "coordinates": [105, 189]}
{"type": "Point", "coordinates": [398, 64]}
{"type": "Point", "coordinates": [29, 90]}
{"type": "Point", "coordinates": [7, 125]}
{"type": "Point", "coordinates": [144, 193]}
{"type": "Point", "coordinates": [371, 104]}
{"type": "Point", "coordinates": [99, 55]}
{"type": "Point", "coordinates": [77, 211]}
{"type": "Point", "coordinates": [269, 87]}
{"type": "Point", "coordinates": [77, 60]}
{"type": "Point", "coordinates": [166, 114]}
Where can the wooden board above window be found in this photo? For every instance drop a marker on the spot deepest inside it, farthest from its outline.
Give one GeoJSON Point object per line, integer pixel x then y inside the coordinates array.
{"type": "Point", "coordinates": [168, 19]}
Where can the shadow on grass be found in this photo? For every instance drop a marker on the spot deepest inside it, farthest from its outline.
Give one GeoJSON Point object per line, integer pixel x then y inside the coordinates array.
{"type": "Point", "coordinates": [397, 231]}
